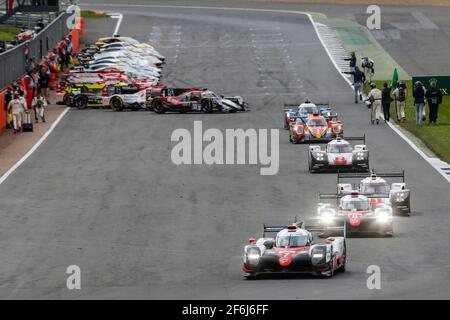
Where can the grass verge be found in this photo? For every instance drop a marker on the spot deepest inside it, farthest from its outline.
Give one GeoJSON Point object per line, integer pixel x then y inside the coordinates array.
{"type": "Point", "coordinates": [435, 136]}
{"type": "Point", "coordinates": [8, 32]}
{"type": "Point", "coordinates": [93, 14]}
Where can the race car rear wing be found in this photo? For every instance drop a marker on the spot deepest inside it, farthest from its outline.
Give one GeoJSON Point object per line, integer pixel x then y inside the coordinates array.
{"type": "Point", "coordinates": [361, 175]}
{"type": "Point", "coordinates": [272, 229]}
{"type": "Point", "coordinates": [337, 196]}
{"type": "Point", "coordinates": [302, 225]}
{"type": "Point", "coordinates": [325, 141]}
{"type": "Point", "coordinates": [363, 138]}
{"type": "Point", "coordinates": [323, 228]}
{"type": "Point", "coordinates": [318, 105]}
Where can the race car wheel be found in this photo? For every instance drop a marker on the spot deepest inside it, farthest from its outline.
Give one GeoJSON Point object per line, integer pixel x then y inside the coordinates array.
{"type": "Point", "coordinates": [251, 276]}
{"type": "Point", "coordinates": [80, 101]}
{"type": "Point", "coordinates": [158, 107]}
{"type": "Point", "coordinates": [331, 273]}
{"type": "Point", "coordinates": [344, 254]}
{"type": "Point", "coordinates": [207, 106]}
{"type": "Point", "coordinates": [66, 99]}
{"type": "Point", "coordinates": [116, 104]}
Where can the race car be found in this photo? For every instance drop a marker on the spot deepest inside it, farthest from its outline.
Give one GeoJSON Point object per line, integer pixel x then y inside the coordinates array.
{"type": "Point", "coordinates": [294, 250]}
{"type": "Point", "coordinates": [358, 212]}
{"type": "Point", "coordinates": [125, 96]}
{"type": "Point", "coordinates": [196, 100]}
{"type": "Point", "coordinates": [339, 156]}
{"type": "Point", "coordinates": [315, 129]}
{"type": "Point", "coordinates": [83, 95]}
{"type": "Point", "coordinates": [379, 190]}
{"type": "Point", "coordinates": [304, 110]}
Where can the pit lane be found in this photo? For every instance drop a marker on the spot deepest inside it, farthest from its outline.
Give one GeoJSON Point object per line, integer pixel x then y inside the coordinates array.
{"type": "Point", "coordinates": [102, 193]}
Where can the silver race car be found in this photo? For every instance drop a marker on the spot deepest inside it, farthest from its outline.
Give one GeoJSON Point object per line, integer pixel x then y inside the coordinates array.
{"type": "Point", "coordinates": [375, 187]}
{"type": "Point", "coordinates": [338, 156]}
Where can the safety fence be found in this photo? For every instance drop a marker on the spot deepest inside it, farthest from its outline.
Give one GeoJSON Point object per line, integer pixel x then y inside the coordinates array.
{"type": "Point", "coordinates": [14, 63]}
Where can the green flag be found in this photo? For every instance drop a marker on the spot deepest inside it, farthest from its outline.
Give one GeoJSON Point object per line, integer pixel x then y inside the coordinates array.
{"type": "Point", "coordinates": [394, 79]}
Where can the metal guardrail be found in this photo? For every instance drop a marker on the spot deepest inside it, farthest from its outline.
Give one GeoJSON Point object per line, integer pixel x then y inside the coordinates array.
{"type": "Point", "coordinates": [13, 62]}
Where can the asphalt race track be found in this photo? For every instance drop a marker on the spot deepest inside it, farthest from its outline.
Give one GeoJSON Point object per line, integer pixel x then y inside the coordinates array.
{"type": "Point", "coordinates": [103, 194]}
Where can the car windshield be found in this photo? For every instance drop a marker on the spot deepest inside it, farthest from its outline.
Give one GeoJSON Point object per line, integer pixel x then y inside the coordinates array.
{"type": "Point", "coordinates": [317, 122]}
{"type": "Point", "coordinates": [378, 188]}
{"type": "Point", "coordinates": [292, 240]}
{"type": "Point", "coordinates": [355, 204]}
{"type": "Point", "coordinates": [308, 110]}
{"type": "Point", "coordinates": [339, 148]}
{"type": "Point", "coordinates": [210, 94]}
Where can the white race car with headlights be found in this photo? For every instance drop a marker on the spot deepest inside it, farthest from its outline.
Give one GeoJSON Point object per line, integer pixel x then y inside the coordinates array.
{"type": "Point", "coordinates": [339, 156]}
{"type": "Point", "coordinates": [375, 187]}
{"type": "Point", "coordinates": [359, 212]}
{"type": "Point", "coordinates": [294, 250]}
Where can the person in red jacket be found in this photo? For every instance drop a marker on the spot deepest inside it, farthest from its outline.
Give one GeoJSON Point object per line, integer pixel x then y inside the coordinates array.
{"type": "Point", "coordinates": [29, 82]}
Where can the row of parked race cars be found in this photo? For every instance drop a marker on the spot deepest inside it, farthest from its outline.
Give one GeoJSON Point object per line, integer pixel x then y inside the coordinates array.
{"type": "Point", "coordinates": [365, 207]}
{"type": "Point", "coordinates": [123, 73]}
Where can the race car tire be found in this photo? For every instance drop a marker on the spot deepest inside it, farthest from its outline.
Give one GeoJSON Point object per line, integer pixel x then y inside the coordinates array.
{"type": "Point", "coordinates": [342, 268]}
{"type": "Point", "coordinates": [116, 104]}
{"type": "Point", "coordinates": [80, 101]}
{"type": "Point", "coordinates": [330, 265]}
{"type": "Point", "coordinates": [66, 99]}
{"type": "Point", "coordinates": [251, 276]}
{"type": "Point", "coordinates": [158, 107]}
{"type": "Point", "coordinates": [389, 234]}
{"type": "Point", "coordinates": [207, 106]}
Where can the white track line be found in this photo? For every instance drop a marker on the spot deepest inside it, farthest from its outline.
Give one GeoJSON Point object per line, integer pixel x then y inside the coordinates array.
{"type": "Point", "coordinates": [33, 149]}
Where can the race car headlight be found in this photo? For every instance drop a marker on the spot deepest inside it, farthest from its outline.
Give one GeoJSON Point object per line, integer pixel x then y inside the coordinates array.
{"type": "Point", "coordinates": [401, 196]}
{"type": "Point", "coordinates": [360, 156]}
{"type": "Point", "coordinates": [327, 215]}
{"type": "Point", "coordinates": [299, 129]}
{"type": "Point", "coordinates": [320, 156]}
{"type": "Point", "coordinates": [383, 214]}
{"type": "Point", "coordinates": [253, 256]}
{"type": "Point", "coordinates": [336, 129]}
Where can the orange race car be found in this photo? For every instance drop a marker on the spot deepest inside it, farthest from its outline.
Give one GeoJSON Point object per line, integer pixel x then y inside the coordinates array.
{"type": "Point", "coordinates": [315, 129]}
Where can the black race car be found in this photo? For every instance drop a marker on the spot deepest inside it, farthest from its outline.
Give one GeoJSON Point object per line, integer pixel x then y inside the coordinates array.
{"type": "Point", "coordinates": [294, 250]}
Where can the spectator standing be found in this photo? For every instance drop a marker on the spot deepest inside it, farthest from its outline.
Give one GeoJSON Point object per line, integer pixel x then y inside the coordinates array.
{"type": "Point", "coordinates": [358, 79]}
{"type": "Point", "coordinates": [368, 68]}
{"type": "Point", "coordinates": [29, 82]}
{"type": "Point", "coordinates": [352, 61]}
{"type": "Point", "coordinates": [374, 97]}
{"type": "Point", "coordinates": [9, 95]}
{"type": "Point", "coordinates": [434, 99]}
{"type": "Point", "coordinates": [386, 100]}
{"type": "Point", "coordinates": [17, 106]}
{"type": "Point", "coordinates": [419, 101]}
{"type": "Point", "coordinates": [61, 60]}
{"type": "Point", "coordinates": [400, 101]}
{"type": "Point", "coordinates": [44, 81]}
{"type": "Point", "coordinates": [39, 105]}
{"type": "Point", "coordinates": [69, 48]}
